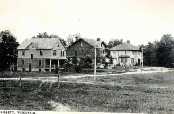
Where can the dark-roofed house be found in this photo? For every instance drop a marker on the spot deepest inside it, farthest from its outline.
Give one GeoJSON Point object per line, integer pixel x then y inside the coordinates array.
{"type": "Point", "coordinates": [126, 54]}
{"type": "Point", "coordinates": [40, 54]}
{"type": "Point", "coordinates": [85, 47]}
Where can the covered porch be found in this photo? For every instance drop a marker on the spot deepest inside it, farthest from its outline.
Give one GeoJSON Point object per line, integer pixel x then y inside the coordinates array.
{"type": "Point", "coordinates": [50, 64]}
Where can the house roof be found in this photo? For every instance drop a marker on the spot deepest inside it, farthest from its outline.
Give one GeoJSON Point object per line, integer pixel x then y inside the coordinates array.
{"type": "Point", "coordinates": [41, 43]}
{"type": "Point", "coordinates": [125, 46]}
{"type": "Point", "coordinates": [93, 42]}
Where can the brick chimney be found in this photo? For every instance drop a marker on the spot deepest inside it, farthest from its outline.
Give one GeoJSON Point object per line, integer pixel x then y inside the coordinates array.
{"type": "Point", "coordinates": [98, 39]}
{"type": "Point", "coordinates": [128, 41]}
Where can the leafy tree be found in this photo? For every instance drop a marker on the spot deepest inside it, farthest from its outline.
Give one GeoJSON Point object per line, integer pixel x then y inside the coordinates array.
{"type": "Point", "coordinates": [165, 51]}
{"type": "Point", "coordinates": [8, 49]}
{"type": "Point", "coordinates": [114, 42]}
{"type": "Point", "coordinates": [149, 53]}
{"type": "Point", "coordinates": [63, 41]}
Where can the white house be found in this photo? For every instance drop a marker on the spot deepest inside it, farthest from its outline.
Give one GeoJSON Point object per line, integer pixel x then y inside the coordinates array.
{"type": "Point", "coordinates": [40, 54]}
{"type": "Point", "coordinates": [126, 54]}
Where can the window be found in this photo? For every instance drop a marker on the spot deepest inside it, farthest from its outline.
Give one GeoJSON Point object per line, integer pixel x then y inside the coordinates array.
{"type": "Point", "coordinates": [62, 53]}
{"type": "Point", "coordinates": [103, 51]}
{"type": "Point", "coordinates": [41, 52]}
{"type": "Point", "coordinates": [132, 60]}
{"type": "Point", "coordinates": [31, 56]}
{"type": "Point", "coordinates": [75, 53]}
{"type": "Point", "coordinates": [23, 62]}
{"type": "Point", "coordinates": [82, 50]}
{"type": "Point", "coordinates": [101, 44]}
{"type": "Point", "coordinates": [58, 45]}
{"type": "Point", "coordinates": [23, 69]}
{"type": "Point", "coordinates": [81, 44]}
{"type": "Point", "coordinates": [23, 52]}
{"type": "Point", "coordinates": [132, 52]}
{"type": "Point", "coordinates": [121, 60]}
{"type": "Point", "coordinates": [40, 62]}
{"type": "Point", "coordinates": [125, 52]}
{"type": "Point", "coordinates": [54, 52]}
{"type": "Point", "coordinates": [40, 70]}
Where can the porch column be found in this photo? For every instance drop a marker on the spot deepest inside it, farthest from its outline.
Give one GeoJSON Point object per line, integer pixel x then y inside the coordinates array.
{"type": "Point", "coordinates": [58, 63]}
{"type": "Point", "coordinates": [50, 65]}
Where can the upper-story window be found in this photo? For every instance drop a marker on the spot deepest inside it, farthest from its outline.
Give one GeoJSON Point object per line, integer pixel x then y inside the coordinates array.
{"type": "Point", "coordinates": [23, 52]}
{"type": "Point", "coordinates": [101, 44]}
{"type": "Point", "coordinates": [62, 53]}
{"type": "Point", "coordinates": [40, 63]}
{"type": "Point", "coordinates": [54, 52]}
{"type": "Point", "coordinates": [31, 56]}
{"type": "Point", "coordinates": [82, 50]}
{"type": "Point", "coordinates": [23, 62]}
{"type": "Point", "coordinates": [75, 53]}
{"type": "Point", "coordinates": [58, 45]}
{"type": "Point", "coordinates": [41, 52]}
{"type": "Point", "coordinates": [125, 52]}
{"type": "Point", "coordinates": [103, 51]}
{"type": "Point", "coordinates": [81, 44]}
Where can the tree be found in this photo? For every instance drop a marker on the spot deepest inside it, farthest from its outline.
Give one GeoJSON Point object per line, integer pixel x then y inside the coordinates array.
{"type": "Point", "coordinates": [165, 51]}
{"type": "Point", "coordinates": [8, 49]}
{"type": "Point", "coordinates": [63, 41]}
{"type": "Point", "coordinates": [150, 55]}
{"type": "Point", "coordinates": [114, 42]}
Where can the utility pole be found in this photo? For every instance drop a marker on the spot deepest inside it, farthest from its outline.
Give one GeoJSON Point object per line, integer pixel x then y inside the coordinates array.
{"type": "Point", "coordinates": [94, 63]}
{"type": "Point", "coordinates": [142, 57]}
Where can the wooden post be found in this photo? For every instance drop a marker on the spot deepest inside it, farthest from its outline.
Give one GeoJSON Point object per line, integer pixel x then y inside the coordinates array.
{"type": "Point", "coordinates": [19, 81]}
{"type": "Point", "coordinates": [50, 65]}
{"type": "Point", "coordinates": [142, 57]}
{"type": "Point", "coordinates": [94, 64]}
{"type": "Point", "coordinates": [57, 73]}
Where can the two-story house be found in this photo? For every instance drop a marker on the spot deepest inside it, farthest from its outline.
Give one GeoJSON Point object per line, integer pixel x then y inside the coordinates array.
{"type": "Point", "coordinates": [40, 54]}
{"type": "Point", "coordinates": [126, 54]}
{"type": "Point", "coordinates": [85, 47]}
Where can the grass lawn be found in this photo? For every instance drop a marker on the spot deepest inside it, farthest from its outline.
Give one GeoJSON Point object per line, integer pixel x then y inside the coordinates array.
{"type": "Point", "coordinates": [148, 93]}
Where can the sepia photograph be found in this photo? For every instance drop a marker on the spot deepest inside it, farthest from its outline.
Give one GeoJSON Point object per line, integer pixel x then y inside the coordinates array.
{"type": "Point", "coordinates": [86, 56]}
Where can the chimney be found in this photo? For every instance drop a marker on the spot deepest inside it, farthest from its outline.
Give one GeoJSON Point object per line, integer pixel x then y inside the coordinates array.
{"type": "Point", "coordinates": [98, 39]}
{"type": "Point", "coordinates": [128, 41]}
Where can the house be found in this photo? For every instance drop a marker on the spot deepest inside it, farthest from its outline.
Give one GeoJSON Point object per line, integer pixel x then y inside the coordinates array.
{"type": "Point", "coordinates": [126, 54]}
{"type": "Point", "coordinates": [86, 47]}
{"type": "Point", "coordinates": [40, 54]}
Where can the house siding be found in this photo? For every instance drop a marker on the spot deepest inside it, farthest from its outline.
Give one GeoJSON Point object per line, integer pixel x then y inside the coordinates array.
{"type": "Point", "coordinates": [47, 54]}
{"type": "Point", "coordinates": [82, 49]}
{"type": "Point", "coordinates": [133, 54]}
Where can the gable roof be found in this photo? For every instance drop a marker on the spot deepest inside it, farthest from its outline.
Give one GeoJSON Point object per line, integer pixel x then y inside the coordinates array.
{"type": "Point", "coordinates": [92, 42]}
{"type": "Point", "coordinates": [42, 43]}
{"type": "Point", "coordinates": [125, 46]}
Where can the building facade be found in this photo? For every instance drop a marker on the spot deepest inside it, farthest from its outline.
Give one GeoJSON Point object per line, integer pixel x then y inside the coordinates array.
{"type": "Point", "coordinates": [40, 54]}
{"type": "Point", "coordinates": [126, 54]}
{"type": "Point", "coordinates": [86, 47]}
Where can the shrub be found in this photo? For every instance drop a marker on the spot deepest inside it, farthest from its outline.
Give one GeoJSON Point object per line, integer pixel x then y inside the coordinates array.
{"type": "Point", "coordinates": [78, 68]}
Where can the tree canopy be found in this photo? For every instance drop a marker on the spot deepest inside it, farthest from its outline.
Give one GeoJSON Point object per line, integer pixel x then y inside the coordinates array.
{"type": "Point", "coordinates": [114, 42]}
{"type": "Point", "coordinates": [160, 53]}
{"type": "Point", "coordinates": [8, 49]}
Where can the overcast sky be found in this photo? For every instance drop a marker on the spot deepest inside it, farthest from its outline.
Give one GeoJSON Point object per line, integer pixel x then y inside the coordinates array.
{"type": "Point", "coordinates": [139, 21]}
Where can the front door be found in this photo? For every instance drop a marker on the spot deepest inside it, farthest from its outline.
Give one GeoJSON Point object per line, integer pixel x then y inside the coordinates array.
{"type": "Point", "coordinates": [138, 61]}
{"type": "Point", "coordinates": [30, 67]}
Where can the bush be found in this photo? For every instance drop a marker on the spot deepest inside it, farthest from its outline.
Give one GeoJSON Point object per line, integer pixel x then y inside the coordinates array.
{"type": "Point", "coordinates": [78, 68]}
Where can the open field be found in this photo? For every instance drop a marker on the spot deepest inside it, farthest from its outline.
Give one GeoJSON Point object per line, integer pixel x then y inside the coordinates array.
{"type": "Point", "coordinates": [149, 93]}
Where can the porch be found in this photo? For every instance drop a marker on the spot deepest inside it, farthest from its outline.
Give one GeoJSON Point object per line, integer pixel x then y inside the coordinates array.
{"type": "Point", "coordinates": [50, 64]}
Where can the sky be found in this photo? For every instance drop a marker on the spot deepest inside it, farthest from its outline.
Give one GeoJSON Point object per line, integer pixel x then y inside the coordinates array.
{"type": "Point", "coordinates": [140, 21]}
